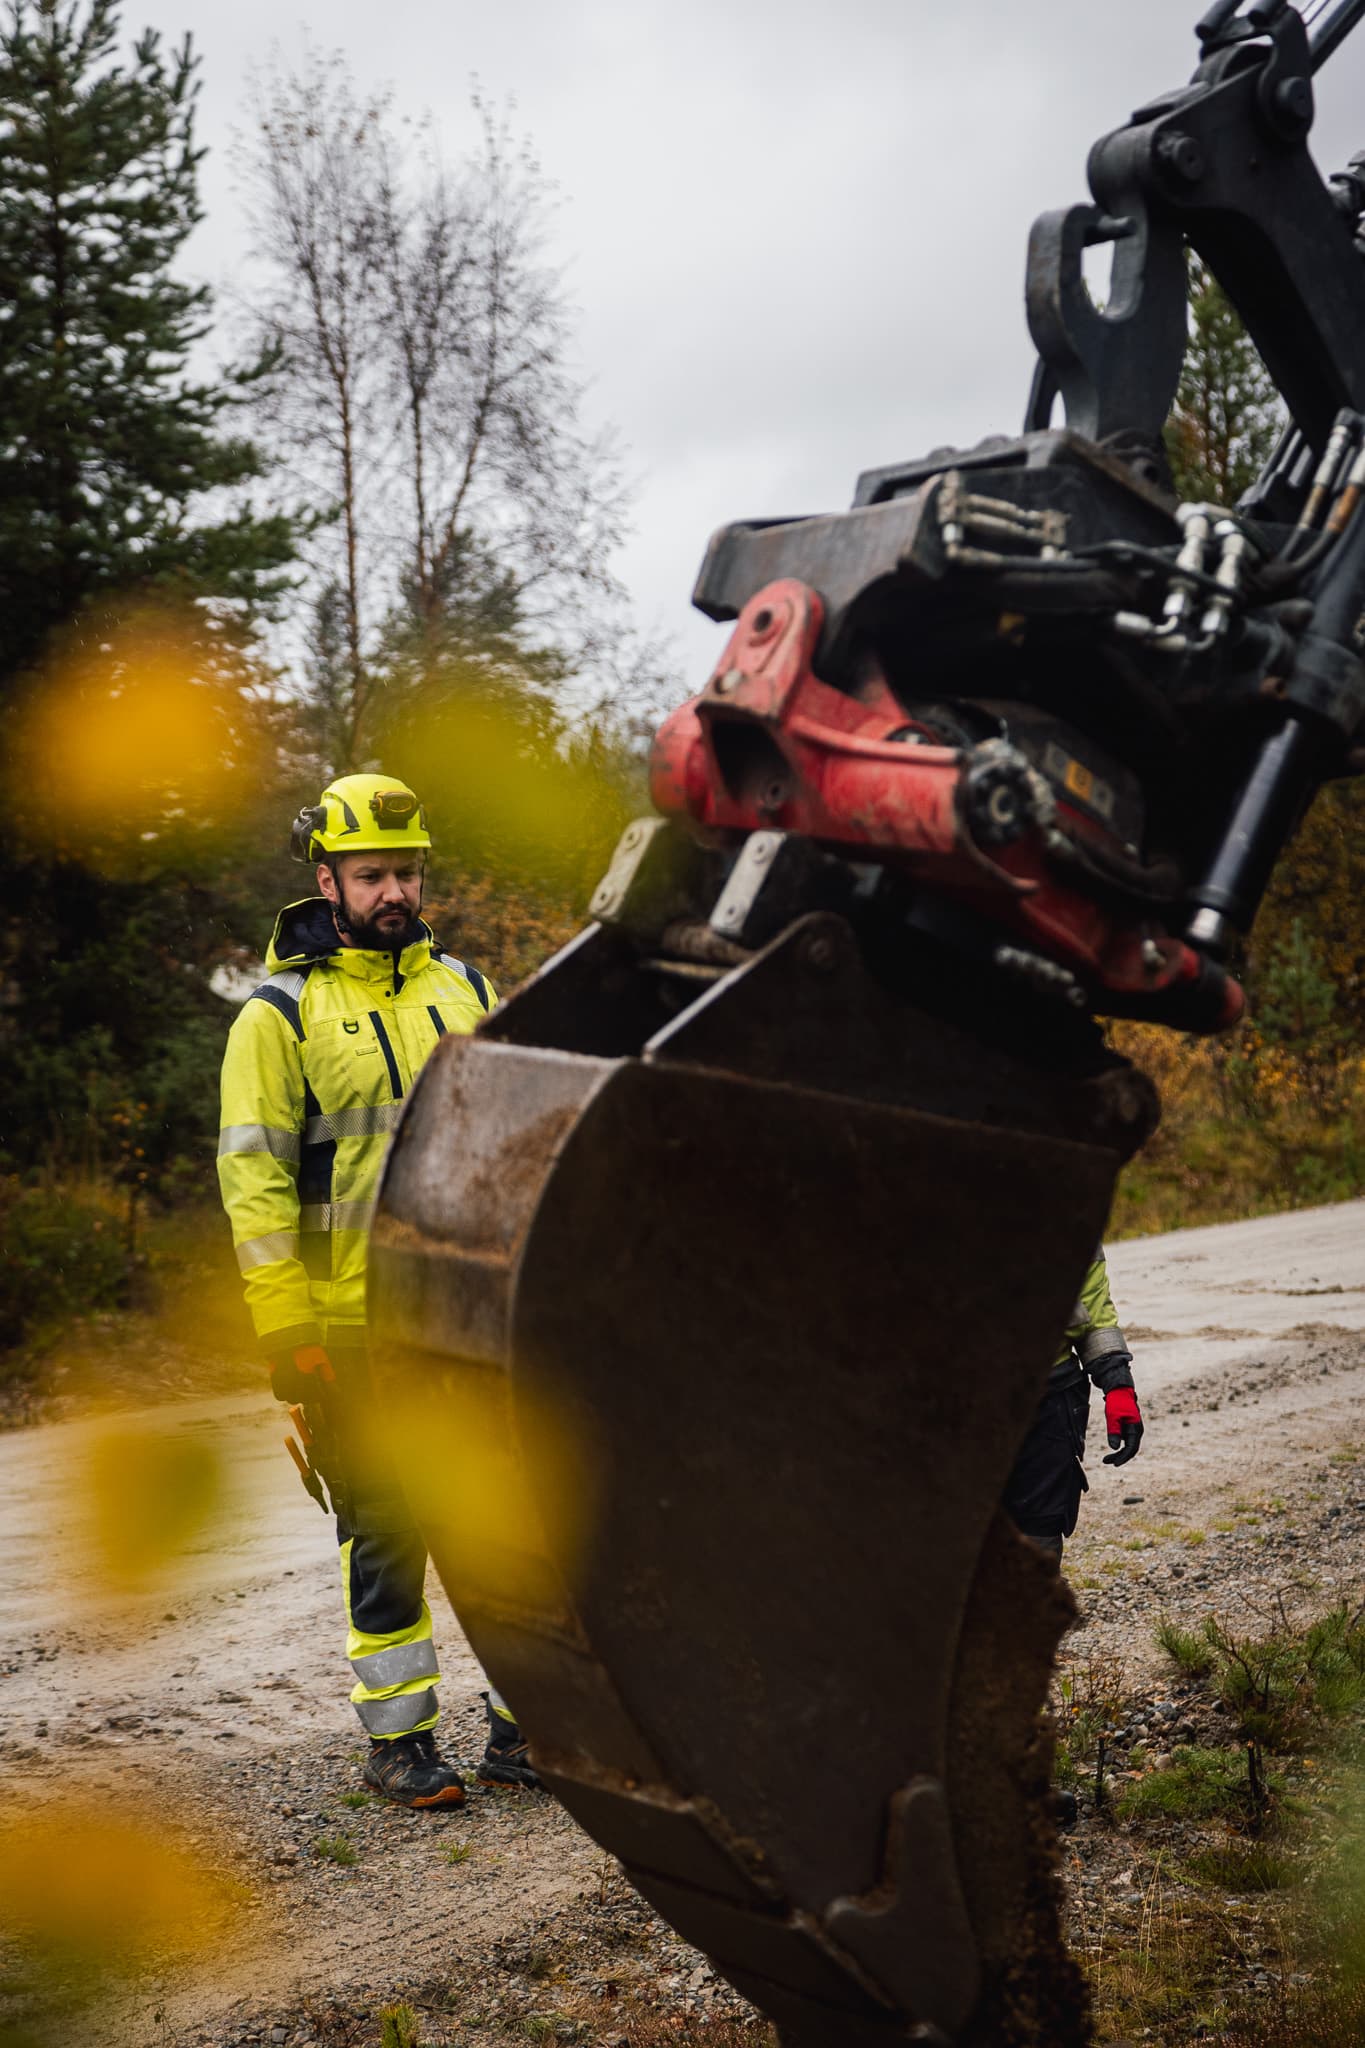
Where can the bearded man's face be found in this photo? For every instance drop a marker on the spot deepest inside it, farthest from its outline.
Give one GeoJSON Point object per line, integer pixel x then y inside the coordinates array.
{"type": "Point", "coordinates": [375, 899]}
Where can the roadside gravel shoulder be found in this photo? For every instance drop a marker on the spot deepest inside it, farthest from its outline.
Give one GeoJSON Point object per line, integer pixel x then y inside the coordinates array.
{"type": "Point", "coordinates": [1248, 1498]}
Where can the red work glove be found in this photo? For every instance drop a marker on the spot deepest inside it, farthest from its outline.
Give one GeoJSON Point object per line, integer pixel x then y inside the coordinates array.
{"type": "Point", "coordinates": [1123, 1420]}
{"type": "Point", "coordinates": [301, 1374]}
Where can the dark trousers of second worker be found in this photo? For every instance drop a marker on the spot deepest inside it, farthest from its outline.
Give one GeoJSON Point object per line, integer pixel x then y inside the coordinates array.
{"type": "Point", "coordinates": [1043, 1492]}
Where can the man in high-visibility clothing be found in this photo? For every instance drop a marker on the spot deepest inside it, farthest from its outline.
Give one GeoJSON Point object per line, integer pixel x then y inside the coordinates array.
{"type": "Point", "coordinates": [1043, 1494]}
{"type": "Point", "coordinates": [317, 1065]}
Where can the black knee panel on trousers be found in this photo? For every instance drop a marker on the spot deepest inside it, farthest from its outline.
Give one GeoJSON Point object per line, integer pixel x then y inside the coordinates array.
{"type": "Point", "coordinates": [388, 1568]}
{"type": "Point", "coordinates": [388, 1562]}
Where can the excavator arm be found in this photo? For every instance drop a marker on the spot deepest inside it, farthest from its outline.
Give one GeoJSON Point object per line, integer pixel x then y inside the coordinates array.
{"type": "Point", "coordinates": [716, 1278]}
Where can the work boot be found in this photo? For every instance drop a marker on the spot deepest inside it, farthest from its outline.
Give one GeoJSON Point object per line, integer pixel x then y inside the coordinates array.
{"type": "Point", "coordinates": [505, 1761]}
{"type": "Point", "coordinates": [410, 1770]}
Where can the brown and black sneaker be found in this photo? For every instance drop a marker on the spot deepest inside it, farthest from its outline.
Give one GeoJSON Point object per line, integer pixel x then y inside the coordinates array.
{"type": "Point", "coordinates": [410, 1770]}
{"type": "Point", "coordinates": [505, 1760]}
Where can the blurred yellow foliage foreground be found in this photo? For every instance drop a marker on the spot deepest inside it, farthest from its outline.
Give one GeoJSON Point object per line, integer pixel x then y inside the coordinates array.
{"type": "Point", "coordinates": [151, 1496]}
{"type": "Point", "coordinates": [141, 726]}
{"type": "Point", "coordinates": [86, 1890]}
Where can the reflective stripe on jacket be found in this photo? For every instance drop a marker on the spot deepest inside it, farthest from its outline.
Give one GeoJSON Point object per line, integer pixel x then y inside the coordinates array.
{"type": "Point", "coordinates": [317, 1064]}
{"type": "Point", "coordinates": [1093, 1332]}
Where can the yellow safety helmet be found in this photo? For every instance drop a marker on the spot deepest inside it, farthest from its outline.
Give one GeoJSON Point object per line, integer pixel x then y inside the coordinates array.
{"type": "Point", "coordinates": [360, 814]}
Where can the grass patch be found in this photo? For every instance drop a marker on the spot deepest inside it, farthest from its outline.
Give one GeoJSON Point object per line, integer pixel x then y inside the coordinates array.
{"type": "Point", "coordinates": [1274, 1685]}
{"type": "Point", "coordinates": [335, 1849]}
{"type": "Point", "coordinates": [1333, 2018]}
{"type": "Point", "coordinates": [355, 1800]}
{"type": "Point", "coordinates": [1158, 1966]}
{"type": "Point", "coordinates": [458, 1852]}
{"type": "Point", "coordinates": [1244, 1867]}
{"type": "Point", "coordinates": [1199, 1784]}
{"type": "Point", "coordinates": [1216, 1874]}
{"type": "Point", "coordinates": [1188, 1649]}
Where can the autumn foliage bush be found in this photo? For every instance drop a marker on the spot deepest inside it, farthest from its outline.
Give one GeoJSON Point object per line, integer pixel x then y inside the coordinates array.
{"type": "Point", "coordinates": [63, 1251]}
{"type": "Point", "coordinates": [1271, 1115]}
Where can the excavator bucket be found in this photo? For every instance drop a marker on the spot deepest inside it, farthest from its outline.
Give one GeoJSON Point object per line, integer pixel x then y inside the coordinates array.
{"type": "Point", "coordinates": [712, 1303]}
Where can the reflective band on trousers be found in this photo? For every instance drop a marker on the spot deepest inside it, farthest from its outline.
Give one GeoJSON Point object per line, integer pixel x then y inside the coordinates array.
{"type": "Point", "coordinates": [1097, 1344]}
{"type": "Point", "coordinates": [336, 1215]}
{"type": "Point", "coordinates": [399, 1715]}
{"type": "Point", "coordinates": [368, 1121]}
{"type": "Point", "coordinates": [398, 1665]}
{"type": "Point", "coordinates": [265, 1251]}
{"type": "Point", "coordinates": [259, 1138]}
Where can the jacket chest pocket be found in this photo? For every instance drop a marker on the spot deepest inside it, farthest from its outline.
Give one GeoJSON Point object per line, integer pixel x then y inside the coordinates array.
{"type": "Point", "coordinates": [348, 1061]}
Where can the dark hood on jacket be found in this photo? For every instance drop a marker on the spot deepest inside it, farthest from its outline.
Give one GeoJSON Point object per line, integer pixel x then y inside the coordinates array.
{"type": "Point", "coordinates": [305, 932]}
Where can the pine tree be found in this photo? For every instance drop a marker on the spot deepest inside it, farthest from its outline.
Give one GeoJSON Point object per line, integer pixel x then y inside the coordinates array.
{"type": "Point", "coordinates": [468, 708]}
{"type": "Point", "coordinates": [125, 526]}
{"type": "Point", "coordinates": [106, 440]}
{"type": "Point", "coordinates": [1227, 413]}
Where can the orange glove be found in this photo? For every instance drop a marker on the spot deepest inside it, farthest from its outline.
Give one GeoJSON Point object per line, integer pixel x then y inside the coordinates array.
{"type": "Point", "coordinates": [301, 1374]}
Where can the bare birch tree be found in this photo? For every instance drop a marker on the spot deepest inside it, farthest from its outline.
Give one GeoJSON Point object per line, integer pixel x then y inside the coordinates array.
{"type": "Point", "coordinates": [313, 207]}
{"type": "Point", "coordinates": [427, 401]}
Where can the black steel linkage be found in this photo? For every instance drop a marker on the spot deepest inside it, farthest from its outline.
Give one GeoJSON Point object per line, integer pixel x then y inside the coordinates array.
{"type": "Point", "coordinates": [1331, 30]}
{"type": "Point", "coordinates": [1221, 165]}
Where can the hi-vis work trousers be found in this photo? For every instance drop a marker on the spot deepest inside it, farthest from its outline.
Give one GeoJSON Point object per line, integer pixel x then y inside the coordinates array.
{"type": "Point", "coordinates": [383, 1570]}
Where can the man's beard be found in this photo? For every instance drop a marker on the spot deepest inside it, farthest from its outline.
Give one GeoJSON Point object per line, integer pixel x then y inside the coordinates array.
{"type": "Point", "coordinates": [372, 936]}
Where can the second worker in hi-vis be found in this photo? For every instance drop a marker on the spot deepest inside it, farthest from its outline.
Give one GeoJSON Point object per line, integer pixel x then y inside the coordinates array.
{"type": "Point", "coordinates": [1043, 1493]}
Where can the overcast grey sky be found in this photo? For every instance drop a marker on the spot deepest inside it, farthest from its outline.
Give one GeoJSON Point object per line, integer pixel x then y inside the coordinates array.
{"type": "Point", "coordinates": [795, 229]}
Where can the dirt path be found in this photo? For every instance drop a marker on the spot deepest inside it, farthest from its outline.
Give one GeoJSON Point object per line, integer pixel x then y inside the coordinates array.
{"type": "Point", "coordinates": [221, 1699]}
{"type": "Point", "coordinates": [1249, 1354]}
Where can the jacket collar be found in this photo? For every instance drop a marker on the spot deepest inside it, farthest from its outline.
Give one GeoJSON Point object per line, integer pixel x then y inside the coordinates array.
{"type": "Point", "coordinates": [305, 936]}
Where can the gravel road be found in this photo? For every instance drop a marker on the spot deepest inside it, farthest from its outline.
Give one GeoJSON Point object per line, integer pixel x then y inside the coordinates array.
{"type": "Point", "coordinates": [1249, 1356]}
{"type": "Point", "coordinates": [221, 1697]}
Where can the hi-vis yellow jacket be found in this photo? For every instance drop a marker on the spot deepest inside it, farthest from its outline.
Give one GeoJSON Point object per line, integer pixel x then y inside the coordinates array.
{"type": "Point", "coordinates": [317, 1064]}
{"type": "Point", "coordinates": [1093, 1334]}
